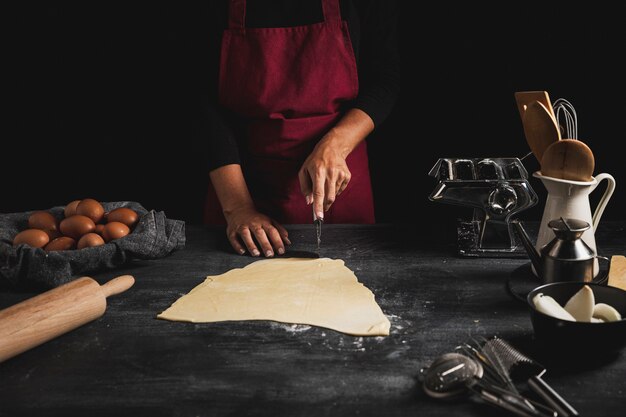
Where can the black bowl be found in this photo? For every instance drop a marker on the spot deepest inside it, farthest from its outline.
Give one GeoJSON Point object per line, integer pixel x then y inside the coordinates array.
{"type": "Point", "coordinates": [569, 336]}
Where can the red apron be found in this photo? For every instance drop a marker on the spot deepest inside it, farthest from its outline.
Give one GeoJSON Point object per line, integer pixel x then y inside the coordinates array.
{"type": "Point", "coordinates": [289, 85]}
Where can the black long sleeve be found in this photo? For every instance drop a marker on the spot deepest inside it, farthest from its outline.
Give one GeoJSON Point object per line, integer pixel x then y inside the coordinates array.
{"type": "Point", "coordinates": [378, 61]}
{"type": "Point", "coordinates": [373, 32]}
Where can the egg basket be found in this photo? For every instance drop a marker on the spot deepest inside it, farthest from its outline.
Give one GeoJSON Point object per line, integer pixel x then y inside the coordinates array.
{"type": "Point", "coordinates": [154, 236]}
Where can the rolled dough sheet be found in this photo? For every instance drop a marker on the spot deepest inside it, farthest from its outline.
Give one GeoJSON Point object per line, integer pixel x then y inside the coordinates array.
{"type": "Point", "coordinates": [319, 292]}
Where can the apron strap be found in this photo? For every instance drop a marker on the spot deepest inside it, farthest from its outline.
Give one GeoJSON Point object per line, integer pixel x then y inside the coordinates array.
{"type": "Point", "coordinates": [332, 11]}
{"type": "Point", "coordinates": [237, 14]}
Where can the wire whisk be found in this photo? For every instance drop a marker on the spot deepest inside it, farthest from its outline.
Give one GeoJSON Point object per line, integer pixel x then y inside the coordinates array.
{"type": "Point", "coordinates": [564, 109]}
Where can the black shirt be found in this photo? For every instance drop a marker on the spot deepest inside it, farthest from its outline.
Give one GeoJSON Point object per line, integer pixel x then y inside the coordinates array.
{"type": "Point", "coordinates": [373, 32]}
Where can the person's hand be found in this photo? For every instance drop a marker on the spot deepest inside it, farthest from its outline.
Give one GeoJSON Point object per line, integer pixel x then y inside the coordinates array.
{"type": "Point", "coordinates": [323, 176]}
{"type": "Point", "coordinates": [254, 229]}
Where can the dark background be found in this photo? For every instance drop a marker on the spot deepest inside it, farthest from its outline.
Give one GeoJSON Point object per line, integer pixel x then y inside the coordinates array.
{"type": "Point", "coordinates": [103, 101]}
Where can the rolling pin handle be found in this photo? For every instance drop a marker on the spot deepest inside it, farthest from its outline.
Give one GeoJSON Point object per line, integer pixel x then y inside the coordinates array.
{"type": "Point", "coordinates": [117, 285]}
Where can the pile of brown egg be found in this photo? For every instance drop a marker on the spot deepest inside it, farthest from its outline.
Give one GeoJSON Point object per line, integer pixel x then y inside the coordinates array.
{"type": "Point", "coordinates": [85, 225]}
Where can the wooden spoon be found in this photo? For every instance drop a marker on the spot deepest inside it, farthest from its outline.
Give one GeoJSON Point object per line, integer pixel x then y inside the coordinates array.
{"type": "Point", "coordinates": [568, 159]}
{"type": "Point", "coordinates": [540, 129]}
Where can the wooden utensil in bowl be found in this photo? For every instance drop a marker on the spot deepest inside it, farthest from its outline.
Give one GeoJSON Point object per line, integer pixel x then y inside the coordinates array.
{"type": "Point", "coordinates": [568, 159]}
{"type": "Point", "coordinates": [540, 129]}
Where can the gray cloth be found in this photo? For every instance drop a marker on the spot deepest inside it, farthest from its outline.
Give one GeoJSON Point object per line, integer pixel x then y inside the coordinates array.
{"type": "Point", "coordinates": [153, 237]}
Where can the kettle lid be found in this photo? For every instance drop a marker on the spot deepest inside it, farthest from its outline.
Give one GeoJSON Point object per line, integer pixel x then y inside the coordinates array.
{"type": "Point", "coordinates": [568, 225]}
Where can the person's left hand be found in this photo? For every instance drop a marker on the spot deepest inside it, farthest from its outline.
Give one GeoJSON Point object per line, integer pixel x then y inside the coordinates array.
{"type": "Point", "coordinates": [324, 175]}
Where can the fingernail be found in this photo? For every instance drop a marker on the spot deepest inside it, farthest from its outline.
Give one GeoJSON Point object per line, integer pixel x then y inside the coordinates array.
{"type": "Point", "coordinates": [320, 215]}
{"type": "Point", "coordinates": [269, 253]}
{"type": "Point", "coordinates": [281, 251]}
{"type": "Point", "coordinates": [287, 241]}
{"type": "Point", "coordinates": [309, 200]}
{"type": "Point", "coordinates": [242, 251]}
{"type": "Point", "coordinates": [256, 252]}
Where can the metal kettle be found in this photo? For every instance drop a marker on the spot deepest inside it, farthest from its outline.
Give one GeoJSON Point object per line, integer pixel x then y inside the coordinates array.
{"type": "Point", "coordinates": [566, 257]}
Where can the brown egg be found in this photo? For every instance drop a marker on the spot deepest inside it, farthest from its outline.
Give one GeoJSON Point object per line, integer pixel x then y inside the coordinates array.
{"type": "Point", "coordinates": [90, 208]}
{"type": "Point", "coordinates": [70, 209]}
{"type": "Point", "coordinates": [115, 230]}
{"type": "Point", "coordinates": [61, 243]}
{"type": "Point", "coordinates": [32, 237]}
{"type": "Point", "coordinates": [45, 221]}
{"type": "Point", "coordinates": [76, 226]}
{"type": "Point", "coordinates": [99, 229]}
{"type": "Point", "coordinates": [89, 240]}
{"type": "Point", "coordinates": [123, 215]}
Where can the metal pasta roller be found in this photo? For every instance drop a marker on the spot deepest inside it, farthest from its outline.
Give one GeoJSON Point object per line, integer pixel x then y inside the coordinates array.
{"type": "Point", "coordinates": [496, 188]}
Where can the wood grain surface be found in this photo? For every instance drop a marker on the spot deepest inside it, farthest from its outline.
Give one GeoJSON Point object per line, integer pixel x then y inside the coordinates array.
{"type": "Point", "coordinates": [129, 363]}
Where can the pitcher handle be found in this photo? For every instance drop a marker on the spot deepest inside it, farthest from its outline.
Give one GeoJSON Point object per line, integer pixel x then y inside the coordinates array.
{"type": "Point", "coordinates": [610, 187]}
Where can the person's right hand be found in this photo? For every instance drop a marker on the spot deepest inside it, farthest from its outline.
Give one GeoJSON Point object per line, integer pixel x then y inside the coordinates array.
{"type": "Point", "coordinates": [246, 226]}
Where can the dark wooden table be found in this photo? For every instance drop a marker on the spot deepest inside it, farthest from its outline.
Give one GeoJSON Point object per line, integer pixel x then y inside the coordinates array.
{"type": "Point", "coordinates": [130, 363]}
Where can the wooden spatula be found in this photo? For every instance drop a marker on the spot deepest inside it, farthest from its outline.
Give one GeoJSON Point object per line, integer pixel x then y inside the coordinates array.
{"type": "Point", "coordinates": [525, 98]}
{"type": "Point", "coordinates": [540, 128]}
{"type": "Point", "coordinates": [568, 159]}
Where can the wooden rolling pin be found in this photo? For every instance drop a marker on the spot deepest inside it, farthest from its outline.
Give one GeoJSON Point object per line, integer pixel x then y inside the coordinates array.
{"type": "Point", "coordinates": [55, 312]}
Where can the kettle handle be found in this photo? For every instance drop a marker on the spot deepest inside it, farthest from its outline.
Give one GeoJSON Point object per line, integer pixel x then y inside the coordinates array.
{"type": "Point", "coordinates": [597, 214]}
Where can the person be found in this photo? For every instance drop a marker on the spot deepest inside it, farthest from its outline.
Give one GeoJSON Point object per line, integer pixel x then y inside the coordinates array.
{"type": "Point", "coordinates": [300, 85]}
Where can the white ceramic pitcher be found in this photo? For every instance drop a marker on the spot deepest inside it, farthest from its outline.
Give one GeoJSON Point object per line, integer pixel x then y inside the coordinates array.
{"type": "Point", "coordinates": [570, 199]}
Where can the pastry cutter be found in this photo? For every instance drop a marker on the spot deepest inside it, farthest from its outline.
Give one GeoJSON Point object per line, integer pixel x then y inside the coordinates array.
{"type": "Point", "coordinates": [317, 222]}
